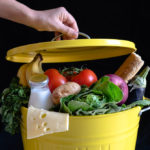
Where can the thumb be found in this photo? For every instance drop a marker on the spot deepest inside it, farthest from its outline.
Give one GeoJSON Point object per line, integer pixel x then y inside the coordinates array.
{"type": "Point", "coordinates": [69, 32]}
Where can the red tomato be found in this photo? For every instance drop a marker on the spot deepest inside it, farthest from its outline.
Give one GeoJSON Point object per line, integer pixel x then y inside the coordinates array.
{"type": "Point", "coordinates": [55, 79]}
{"type": "Point", "coordinates": [85, 77]}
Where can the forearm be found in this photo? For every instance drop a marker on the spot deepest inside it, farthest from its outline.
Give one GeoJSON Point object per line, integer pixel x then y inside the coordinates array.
{"type": "Point", "coordinates": [58, 19]}
{"type": "Point", "coordinates": [17, 12]}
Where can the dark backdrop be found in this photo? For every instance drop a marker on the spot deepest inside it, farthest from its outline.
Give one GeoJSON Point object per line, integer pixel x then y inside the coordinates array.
{"type": "Point", "coordinates": [99, 19]}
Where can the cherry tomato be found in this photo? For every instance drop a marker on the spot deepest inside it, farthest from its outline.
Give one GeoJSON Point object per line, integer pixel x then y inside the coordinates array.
{"type": "Point", "coordinates": [55, 79]}
{"type": "Point", "coordinates": [85, 77]}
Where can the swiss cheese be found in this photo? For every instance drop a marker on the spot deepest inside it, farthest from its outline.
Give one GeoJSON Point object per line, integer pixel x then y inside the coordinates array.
{"type": "Point", "coordinates": [41, 122]}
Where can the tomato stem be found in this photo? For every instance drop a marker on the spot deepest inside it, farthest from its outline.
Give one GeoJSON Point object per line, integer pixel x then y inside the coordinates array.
{"type": "Point", "coordinates": [71, 71]}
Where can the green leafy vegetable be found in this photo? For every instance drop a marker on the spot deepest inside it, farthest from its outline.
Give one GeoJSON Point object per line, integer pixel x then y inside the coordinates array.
{"type": "Point", "coordinates": [141, 103]}
{"type": "Point", "coordinates": [93, 100]}
{"type": "Point", "coordinates": [111, 91]}
{"type": "Point", "coordinates": [75, 105]}
{"type": "Point", "coordinates": [11, 100]}
{"type": "Point", "coordinates": [101, 98]}
{"type": "Point", "coordinates": [64, 101]}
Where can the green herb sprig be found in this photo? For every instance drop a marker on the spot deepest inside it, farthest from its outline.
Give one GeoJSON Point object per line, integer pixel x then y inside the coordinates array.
{"type": "Point", "coordinates": [11, 101]}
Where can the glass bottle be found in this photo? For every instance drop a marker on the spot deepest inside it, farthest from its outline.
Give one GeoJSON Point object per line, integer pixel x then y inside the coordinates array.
{"type": "Point", "coordinates": [40, 96]}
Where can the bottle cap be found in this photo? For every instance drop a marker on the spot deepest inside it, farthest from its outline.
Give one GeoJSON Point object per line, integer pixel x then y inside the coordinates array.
{"type": "Point", "coordinates": [38, 80]}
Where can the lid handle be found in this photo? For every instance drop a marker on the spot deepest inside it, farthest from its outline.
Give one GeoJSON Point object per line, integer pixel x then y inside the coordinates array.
{"type": "Point", "coordinates": [80, 33]}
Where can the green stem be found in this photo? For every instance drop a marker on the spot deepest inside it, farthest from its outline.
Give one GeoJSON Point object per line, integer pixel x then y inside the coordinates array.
{"type": "Point", "coordinates": [145, 72]}
{"type": "Point", "coordinates": [140, 80]}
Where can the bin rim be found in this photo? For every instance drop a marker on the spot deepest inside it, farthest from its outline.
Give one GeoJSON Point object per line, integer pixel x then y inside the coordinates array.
{"type": "Point", "coordinates": [136, 108]}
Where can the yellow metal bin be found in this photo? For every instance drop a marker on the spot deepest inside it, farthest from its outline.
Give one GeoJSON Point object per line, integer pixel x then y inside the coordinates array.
{"type": "Point", "coordinates": [116, 131]}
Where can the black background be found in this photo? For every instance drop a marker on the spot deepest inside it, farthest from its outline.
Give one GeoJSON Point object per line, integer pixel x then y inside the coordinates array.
{"type": "Point", "coordinates": [99, 19]}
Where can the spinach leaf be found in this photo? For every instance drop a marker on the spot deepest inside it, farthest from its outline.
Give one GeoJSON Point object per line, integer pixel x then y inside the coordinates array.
{"type": "Point", "coordinates": [63, 104]}
{"type": "Point", "coordinates": [109, 89]}
{"type": "Point", "coordinates": [141, 103]}
{"type": "Point", "coordinates": [76, 105]}
{"type": "Point", "coordinates": [81, 112]}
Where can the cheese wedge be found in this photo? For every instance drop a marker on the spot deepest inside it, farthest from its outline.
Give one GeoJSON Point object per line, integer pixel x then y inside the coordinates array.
{"type": "Point", "coordinates": [41, 122]}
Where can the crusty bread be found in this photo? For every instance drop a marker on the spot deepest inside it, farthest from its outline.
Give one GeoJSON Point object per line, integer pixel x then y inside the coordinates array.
{"type": "Point", "coordinates": [130, 67]}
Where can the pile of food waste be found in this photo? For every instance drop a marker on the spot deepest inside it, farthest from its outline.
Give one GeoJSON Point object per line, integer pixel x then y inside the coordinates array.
{"type": "Point", "coordinates": [72, 91]}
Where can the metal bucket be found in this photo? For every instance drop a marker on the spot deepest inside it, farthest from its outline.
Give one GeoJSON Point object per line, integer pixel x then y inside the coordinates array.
{"type": "Point", "coordinates": [116, 131]}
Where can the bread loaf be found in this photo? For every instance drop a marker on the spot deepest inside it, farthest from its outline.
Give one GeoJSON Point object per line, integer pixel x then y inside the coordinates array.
{"type": "Point", "coordinates": [130, 67]}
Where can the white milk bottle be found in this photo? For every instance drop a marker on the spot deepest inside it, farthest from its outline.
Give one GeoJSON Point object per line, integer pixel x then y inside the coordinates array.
{"type": "Point", "coordinates": [40, 96]}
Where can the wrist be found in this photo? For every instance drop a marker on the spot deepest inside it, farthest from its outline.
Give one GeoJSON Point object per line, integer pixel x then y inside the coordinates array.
{"type": "Point", "coordinates": [30, 18]}
{"type": "Point", "coordinates": [37, 20]}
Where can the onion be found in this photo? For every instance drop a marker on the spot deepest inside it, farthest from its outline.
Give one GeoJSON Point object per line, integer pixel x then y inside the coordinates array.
{"type": "Point", "coordinates": [121, 84]}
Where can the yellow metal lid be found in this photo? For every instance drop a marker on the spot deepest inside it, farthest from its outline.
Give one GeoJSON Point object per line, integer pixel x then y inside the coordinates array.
{"type": "Point", "coordinates": [71, 50]}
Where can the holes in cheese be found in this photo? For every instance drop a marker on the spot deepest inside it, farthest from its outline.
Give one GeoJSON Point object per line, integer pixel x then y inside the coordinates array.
{"type": "Point", "coordinates": [46, 129]}
{"type": "Point", "coordinates": [41, 122]}
{"type": "Point", "coordinates": [44, 124]}
{"type": "Point", "coordinates": [43, 115]}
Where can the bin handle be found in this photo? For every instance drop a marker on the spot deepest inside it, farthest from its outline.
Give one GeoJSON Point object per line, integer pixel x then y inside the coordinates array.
{"type": "Point", "coordinates": [80, 33]}
{"type": "Point", "coordinates": [143, 110]}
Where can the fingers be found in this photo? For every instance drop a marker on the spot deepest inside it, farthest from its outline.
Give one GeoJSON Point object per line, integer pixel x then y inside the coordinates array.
{"type": "Point", "coordinates": [68, 32]}
{"type": "Point", "coordinates": [73, 25]}
{"type": "Point", "coordinates": [71, 22]}
{"type": "Point", "coordinates": [56, 34]}
{"type": "Point", "coordinates": [68, 25]}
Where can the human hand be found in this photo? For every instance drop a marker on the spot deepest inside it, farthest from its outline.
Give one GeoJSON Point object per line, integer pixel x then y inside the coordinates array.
{"type": "Point", "coordinates": [58, 20]}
